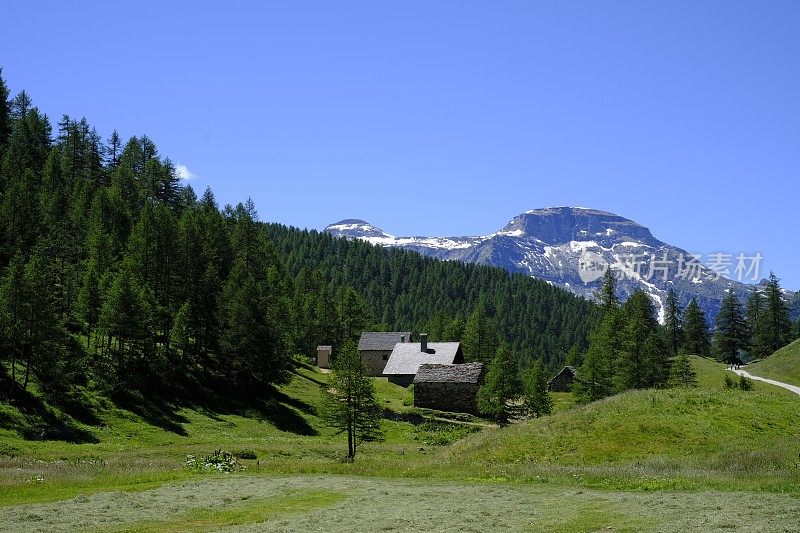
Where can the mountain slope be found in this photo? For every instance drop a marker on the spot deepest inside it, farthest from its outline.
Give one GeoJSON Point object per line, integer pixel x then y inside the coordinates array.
{"type": "Point", "coordinates": [564, 246]}
{"type": "Point", "coordinates": [783, 365]}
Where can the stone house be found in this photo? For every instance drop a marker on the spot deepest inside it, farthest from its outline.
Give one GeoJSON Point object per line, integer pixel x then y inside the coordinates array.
{"type": "Point", "coordinates": [449, 387]}
{"type": "Point", "coordinates": [406, 358]}
{"type": "Point", "coordinates": [562, 382]}
{"type": "Point", "coordinates": [375, 347]}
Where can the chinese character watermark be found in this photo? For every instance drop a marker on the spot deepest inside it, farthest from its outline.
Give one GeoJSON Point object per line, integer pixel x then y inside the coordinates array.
{"type": "Point", "coordinates": [690, 267]}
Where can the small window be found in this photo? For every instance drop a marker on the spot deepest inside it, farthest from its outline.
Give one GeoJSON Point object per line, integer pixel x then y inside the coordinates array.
{"type": "Point", "coordinates": [386, 357]}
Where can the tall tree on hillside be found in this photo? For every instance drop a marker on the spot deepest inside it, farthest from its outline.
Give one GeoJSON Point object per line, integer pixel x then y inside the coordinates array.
{"type": "Point", "coordinates": [537, 399]}
{"type": "Point", "coordinates": [776, 324]}
{"type": "Point", "coordinates": [126, 318]}
{"type": "Point", "coordinates": [673, 323]}
{"type": "Point", "coordinates": [643, 362]}
{"type": "Point", "coordinates": [5, 114]}
{"type": "Point", "coordinates": [480, 335]}
{"type": "Point", "coordinates": [254, 335]}
{"type": "Point", "coordinates": [730, 331]}
{"type": "Point", "coordinates": [352, 406]}
{"type": "Point", "coordinates": [681, 373]}
{"type": "Point", "coordinates": [607, 294]}
{"type": "Point", "coordinates": [696, 338]}
{"type": "Point", "coordinates": [13, 302]}
{"type": "Point", "coordinates": [755, 322]}
{"type": "Point", "coordinates": [353, 314]}
{"type": "Point", "coordinates": [600, 365]}
{"type": "Point", "coordinates": [501, 386]}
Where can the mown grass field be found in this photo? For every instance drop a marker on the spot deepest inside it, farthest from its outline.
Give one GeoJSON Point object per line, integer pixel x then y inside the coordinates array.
{"type": "Point", "coordinates": [783, 365]}
{"type": "Point", "coordinates": [638, 460]}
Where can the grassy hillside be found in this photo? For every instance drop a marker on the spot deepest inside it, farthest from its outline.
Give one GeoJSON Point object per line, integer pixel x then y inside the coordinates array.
{"type": "Point", "coordinates": [704, 439]}
{"type": "Point", "coordinates": [783, 365]}
{"type": "Point", "coordinates": [658, 436]}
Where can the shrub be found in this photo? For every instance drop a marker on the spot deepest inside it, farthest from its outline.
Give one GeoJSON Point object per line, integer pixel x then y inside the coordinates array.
{"type": "Point", "coordinates": [730, 383]}
{"type": "Point", "coordinates": [745, 384]}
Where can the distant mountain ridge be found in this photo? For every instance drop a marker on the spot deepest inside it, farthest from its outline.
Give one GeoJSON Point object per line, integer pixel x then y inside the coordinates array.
{"type": "Point", "coordinates": [559, 245]}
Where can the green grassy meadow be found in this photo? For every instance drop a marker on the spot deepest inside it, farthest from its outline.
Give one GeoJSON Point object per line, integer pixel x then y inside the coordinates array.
{"type": "Point", "coordinates": [783, 365]}
{"type": "Point", "coordinates": [636, 461]}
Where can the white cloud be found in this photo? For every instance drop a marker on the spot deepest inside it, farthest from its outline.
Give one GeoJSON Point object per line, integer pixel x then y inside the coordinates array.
{"type": "Point", "coordinates": [184, 173]}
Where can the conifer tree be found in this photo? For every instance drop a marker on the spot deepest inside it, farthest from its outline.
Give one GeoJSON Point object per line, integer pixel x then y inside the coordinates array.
{"type": "Point", "coordinates": [776, 323]}
{"type": "Point", "coordinates": [90, 300]}
{"type": "Point", "coordinates": [607, 295]}
{"type": "Point", "coordinates": [642, 362]}
{"type": "Point", "coordinates": [682, 374]}
{"type": "Point", "coordinates": [730, 331]}
{"type": "Point", "coordinates": [696, 336]}
{"type": "Point", "coordinates": [352, 406]}
{"type": "Point", "coordinates": [673, 323]}
{"type": "Point", "coordinates": [756, 325]}
{"type": "Point", "coordinates": [501, 386]}
{"type": "Point", "coordinates": [5, 115]}
{"type": "Point", "coordinates": [537, 398]}
{"type": "Point", "coordinates": [480, 336]}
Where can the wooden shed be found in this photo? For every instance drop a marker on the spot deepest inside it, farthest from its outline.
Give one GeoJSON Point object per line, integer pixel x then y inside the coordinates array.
{"type": "Point", "coordinates": [448, 387]}
{"type": "Point", "coordinates": [562, 382]}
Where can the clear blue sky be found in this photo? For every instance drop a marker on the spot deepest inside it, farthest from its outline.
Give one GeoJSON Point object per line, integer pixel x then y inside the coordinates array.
{"type": "Point", "coordinates": [448, 118]}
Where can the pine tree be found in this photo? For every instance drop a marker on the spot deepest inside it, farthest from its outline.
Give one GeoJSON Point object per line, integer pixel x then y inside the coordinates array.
{"type": "Point", "coordinates": [598, 372]}
{"type": "Point", "coordinates": [776, 323]}
{"type": "Point", "coordinates": [501, 386]}
{"type": "Point", "coordinates": [353, 314]}
{"type": "Point", "coordinates": [642, 363]}
{"type": "Point", "coordinates": [480, 336]}
{"type": "Point", "coordinates": [14, 301]}
{"type": "Point", "coordinates": [673, 323]}
{"type": "Point", "coordinates": [696, 337]}
{"type": "Point", "coordinates": [682, 374]}
{"type": "Point", "coordinates": [607, 295]}
{"type": "Point", "coordinates": [352, 406]}
{"type": "Point", "coordinates": [755, 323]}
{"type": "Point", "coordinates": [537, 398]}
{"type": "Point", "coordinates": [90, 299]}
{"type": "Point", "coordinates": [730, 330]}
{"type": "Point", "coordinates": [5, 115]}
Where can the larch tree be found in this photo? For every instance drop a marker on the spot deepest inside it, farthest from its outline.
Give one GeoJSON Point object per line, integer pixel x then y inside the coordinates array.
{"type": "Point", "coordinates": [673, 323]}
{"type": "Point", "coordinates": [537, 398]}
{"type": "Point", "coordinates": [502, 385]}
{"type": "Point", "coordinates": [696, 338]}
{"type": "Point", "coordinates": [352, 406]}
{"type": "Point", "coordinates": [730, 330]}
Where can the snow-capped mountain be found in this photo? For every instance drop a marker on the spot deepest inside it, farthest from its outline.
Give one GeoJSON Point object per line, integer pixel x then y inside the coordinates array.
{"type": "Point", "coordinates": [571, 247]}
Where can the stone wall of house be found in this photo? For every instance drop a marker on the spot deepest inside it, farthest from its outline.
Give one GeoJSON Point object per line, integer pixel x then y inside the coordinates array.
{"type": "Point", "coordinates": [375, 360]}
{"type": "Point", "coordinates": [446, 396]}
{"type": "Point", "coordinates": [562, 382]}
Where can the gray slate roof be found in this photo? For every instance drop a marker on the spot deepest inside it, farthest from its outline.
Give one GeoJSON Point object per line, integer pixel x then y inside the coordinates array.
{"type": "Point", "coordinates": [567, 369]}
{"type": "Point", "coordinates": [381, 340]}
{"type": "Point", "coordinates": [406, 357]}
{"type": "Point", "coordinates": [464, 373]}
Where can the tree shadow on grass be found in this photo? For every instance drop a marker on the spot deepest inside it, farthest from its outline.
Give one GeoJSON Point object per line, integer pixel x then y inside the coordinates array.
{"type": "Point", "coordinates": [32, 419]}
{"type": "Point", "coordinates": [154, 409]}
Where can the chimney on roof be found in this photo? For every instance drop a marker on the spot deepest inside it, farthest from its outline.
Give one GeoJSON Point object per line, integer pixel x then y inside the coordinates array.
{"type": "Point", "coordinates": [423, 342]}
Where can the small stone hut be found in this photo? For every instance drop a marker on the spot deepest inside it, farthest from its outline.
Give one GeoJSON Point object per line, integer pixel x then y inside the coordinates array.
{"type": "Point", "coordinates": [562, 382]}
{"type": "Point", "coordinates": [449, 387]}
{"type": "Point", "coordinates": [324, 354]}
{"type": "Point", "coordinates": [375, 347]}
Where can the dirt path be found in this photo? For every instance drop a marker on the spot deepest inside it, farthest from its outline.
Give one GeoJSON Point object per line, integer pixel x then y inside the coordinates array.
{"type": "Point", "coordinates": [464, 422]}
{"type": "Point", "coordinates": [795, 389]}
